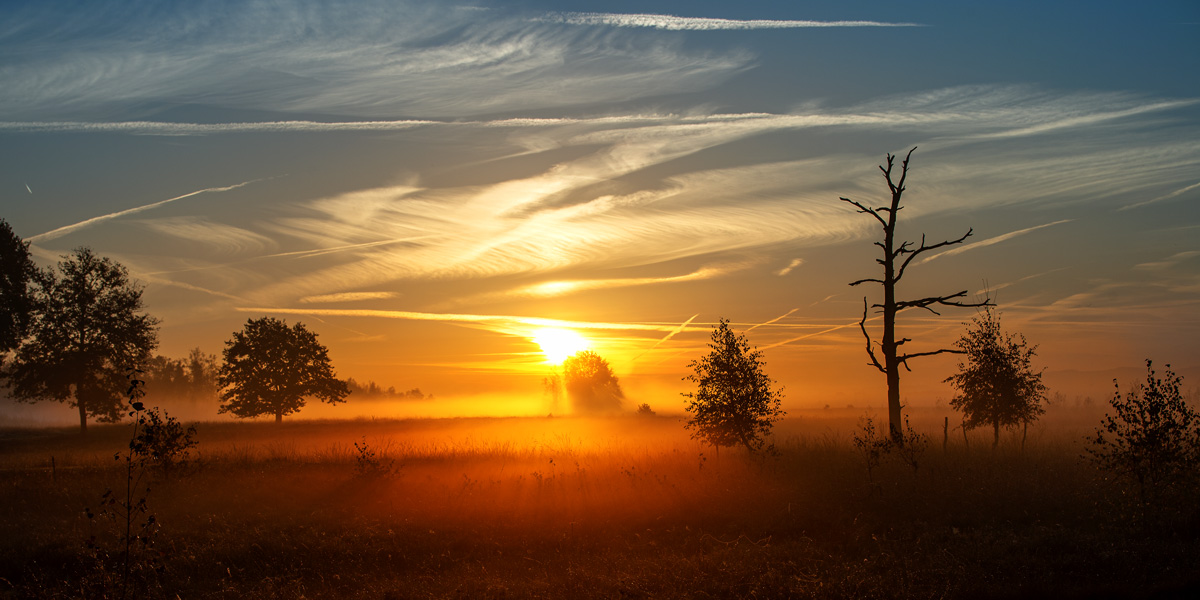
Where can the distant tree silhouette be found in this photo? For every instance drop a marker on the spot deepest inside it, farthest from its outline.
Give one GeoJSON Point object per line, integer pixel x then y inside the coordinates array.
{"type": "Point", "coordinates": [1154, 437]}
{"type": "Point", "coordinates": [590, 384]}
{"type": "Point", "coordinates": [735, 401]}
{"type": "Point", "coordinates": [193, 378]}
{"type": "Point", "coordinates": [17, 276]}
{"type": "Point", "coordinates": [372, 390]}
{"type": "Point", "coordinates": [996, 382]}
{"type": "Point", "coordinates": [88, 331]}
{"type": "Point", "coordinates": [270, 369]}
{"type": "Point", "coordinates": [897, 256]}
{"type": "Point", "coordinates": [644, 410]}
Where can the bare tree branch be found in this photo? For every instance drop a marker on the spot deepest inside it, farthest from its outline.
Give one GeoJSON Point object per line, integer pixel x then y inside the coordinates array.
{"type": "Point", "coordinates": [903, 359]}
{"type": "Point", "coordinates": [869, 211]}
{"type": "Point", "coordinates": [862, 324]}
{"type": "Point", "coordinates": [923, 248]}
{"type": "Point", "coordinates": [879, 281]}
{"type": "Point", "coordinates": [925, 303]}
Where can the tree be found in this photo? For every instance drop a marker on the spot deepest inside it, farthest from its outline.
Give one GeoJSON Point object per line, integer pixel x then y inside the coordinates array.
{"type": "Point", "coordinates": [1154, 437]}
{"type": "Point", "coordinates": [996, 384]}
{"type": "Point", "coordinates": [89, 329]}
{"type": "Point", "coordinates": [17, 275]}
{"type": "Point", "coordinates": [895, 261]}
{"type": "Point", "coordinates": [735, 401]}
{"type": "Point", "coordinates": [591, 384]}
{"type": "Point", "coordinates": [270, 369]}
{"type": "Point", "coordinates": [201, 374]}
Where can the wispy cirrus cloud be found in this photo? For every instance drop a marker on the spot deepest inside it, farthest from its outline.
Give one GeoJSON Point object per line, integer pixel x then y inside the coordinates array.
{"type": "Point", "coordinates": [673, 23]}
{"type": "Point", "coordinates": [1169, 261]}
{"type": "Point", "coordinates": [347, 297]}
{"type": "Point", "coordinates": [516, 325]}
{"type": "Point", "coordinates": [381, 59]}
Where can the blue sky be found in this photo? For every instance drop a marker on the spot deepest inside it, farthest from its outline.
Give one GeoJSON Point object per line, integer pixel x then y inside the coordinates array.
{"type": "Point", "coordinates": [426, 185]}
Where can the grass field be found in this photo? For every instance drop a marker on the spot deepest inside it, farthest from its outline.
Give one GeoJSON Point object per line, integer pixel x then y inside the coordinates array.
{"type": "Point", "coordinates": [625, 507]}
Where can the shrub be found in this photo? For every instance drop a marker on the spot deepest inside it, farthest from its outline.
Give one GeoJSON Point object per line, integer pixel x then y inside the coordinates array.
{"type": "Point", "coordinates": [1153, 438]}
{"type": "Point", "coordinates": [162, 442]}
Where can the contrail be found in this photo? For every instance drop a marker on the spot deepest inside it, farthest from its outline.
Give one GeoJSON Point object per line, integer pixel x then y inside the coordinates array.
{"type": "Point", "coordinates": [988, 242]}
{"type": "Point", "coordinates": [673, 23]}
{"type": "Point", "coordinates": [669, 335]}
{"type": "Point", "coordinates": [775, 320]}
{"type": "Point", "coordinates": [64, 230]}
{"type": "Point", "coordinates": [1163, 197]}
{"type": "Point", "coordinates": [27, 187]}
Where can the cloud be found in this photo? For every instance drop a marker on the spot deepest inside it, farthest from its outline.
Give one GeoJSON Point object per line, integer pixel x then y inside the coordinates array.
{"type": "Point", "coordinates": [514, 325]}
{"type": "Point", "coordinates": [1168, 262]}
{"type": "Point", "coordinates": [990, 241]}
{"type": "Point", "coordinates": [380, 60]}
{"type": "Point", "coordinates": [672, 23]}
{"type": "Point", "coordinates": [796, 262]}
{"type": "Point", "coordinates": [64, 230]}
{"type": "Point", "coordinates": [559, 288]}
{"type": "Point", "coordinates": [348, 297]}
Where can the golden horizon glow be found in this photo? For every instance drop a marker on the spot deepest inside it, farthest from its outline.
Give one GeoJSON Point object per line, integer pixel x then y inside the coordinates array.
{"type": "Point", "coordinates": [558, 344]}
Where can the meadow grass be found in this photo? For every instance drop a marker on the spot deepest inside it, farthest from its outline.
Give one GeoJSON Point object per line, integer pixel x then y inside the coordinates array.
{"type": "Point", "coordinates": [619, 507]}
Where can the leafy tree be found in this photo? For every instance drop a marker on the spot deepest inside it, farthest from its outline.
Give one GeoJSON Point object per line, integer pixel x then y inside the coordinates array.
{"type": "Point", "coordinates": [735, 402]}
{"type": "Point", "coordinates": [270, 369]}
{"type": "Point", "coordinates": [88, 330]}
{"type": "Point", "coordinates": [590, 384]}
{"type": "Point", "coordinates": [17, 275]}
{"type": "Point", "coordinates": [996, 383]}
{"type": "Point", "coordinates": [1154, 437]}
{"type": "Point", "coordinates": [644, 410]}
{"type": "Point", "coordinates": [897, 256]}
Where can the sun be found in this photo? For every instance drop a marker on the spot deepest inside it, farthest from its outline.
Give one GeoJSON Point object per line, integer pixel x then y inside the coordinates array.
{"type": "Point", "coordinates": [558, 344]}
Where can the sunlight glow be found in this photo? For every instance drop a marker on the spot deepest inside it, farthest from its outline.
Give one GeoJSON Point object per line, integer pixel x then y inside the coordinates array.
{"type": "Point", "coordinates": [558, 344]}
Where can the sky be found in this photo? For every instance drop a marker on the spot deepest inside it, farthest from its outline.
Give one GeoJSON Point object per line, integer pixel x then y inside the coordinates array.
{"type": "Point", "coordinates": [432, 186]}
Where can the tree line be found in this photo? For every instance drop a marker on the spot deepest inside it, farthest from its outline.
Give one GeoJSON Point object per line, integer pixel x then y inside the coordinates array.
{"type": "Point", "coordinates": [77, 333]}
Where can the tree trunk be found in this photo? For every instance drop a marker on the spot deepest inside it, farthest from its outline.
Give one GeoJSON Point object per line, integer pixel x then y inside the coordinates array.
{"type": "Point", "coordinates": [82, 418]}
{"type": "Point", "coordinates": [996, 439]}
{"type": "Point", "coordinates": [279, 417]}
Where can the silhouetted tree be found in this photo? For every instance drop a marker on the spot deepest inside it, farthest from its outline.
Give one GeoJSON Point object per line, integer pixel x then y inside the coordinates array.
{"type": "Point", "coordinates": [89, 329]}
{"type": "Point", "coordinates": [270, 369]}
{"type": "Point", "coordinates": [644, 410]}
{"type": "Point", "coordinates": [996, 383]}
{"type": "Point", "coordinates": [1154, 437]}
{"type": "Point", "coordinates": [202, 374]}
{"type": "Point", "coordinates": [193, 378]}
{"type": "Point", "coordinates": [590, 383]}
{"type": "Point", "coordinates": [735, 401]}
{"type": "Point", "coordinates": [17, 276]}
{"type": "Point", "coordinates": [897, 256]}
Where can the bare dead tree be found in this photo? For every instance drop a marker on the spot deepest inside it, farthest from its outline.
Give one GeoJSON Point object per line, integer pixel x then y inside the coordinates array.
{"type": "Point", "coordinates": [896, 260]}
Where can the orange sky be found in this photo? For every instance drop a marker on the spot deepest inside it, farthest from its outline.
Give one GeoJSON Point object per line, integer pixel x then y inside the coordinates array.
{"type": "Point", "coordinates": [429, 189]}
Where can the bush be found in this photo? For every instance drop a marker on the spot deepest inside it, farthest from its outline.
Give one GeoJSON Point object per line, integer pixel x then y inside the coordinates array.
{"type": "Point", "coordinates": [1152, 439]}
{"type": "Point", "coordinates": [162, 442]}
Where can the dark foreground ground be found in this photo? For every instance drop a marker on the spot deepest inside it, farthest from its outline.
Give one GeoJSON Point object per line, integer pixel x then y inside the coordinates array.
{"type": "Point", "coordinates": [565, 508]}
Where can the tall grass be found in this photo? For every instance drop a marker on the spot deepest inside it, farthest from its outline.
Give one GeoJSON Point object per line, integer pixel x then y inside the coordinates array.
{"type": "Point", "coordinates": [596, 508]}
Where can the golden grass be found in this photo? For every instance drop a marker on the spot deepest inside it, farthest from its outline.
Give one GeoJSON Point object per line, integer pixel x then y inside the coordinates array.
{"type": "Point", "coordinates": [563, 507]}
